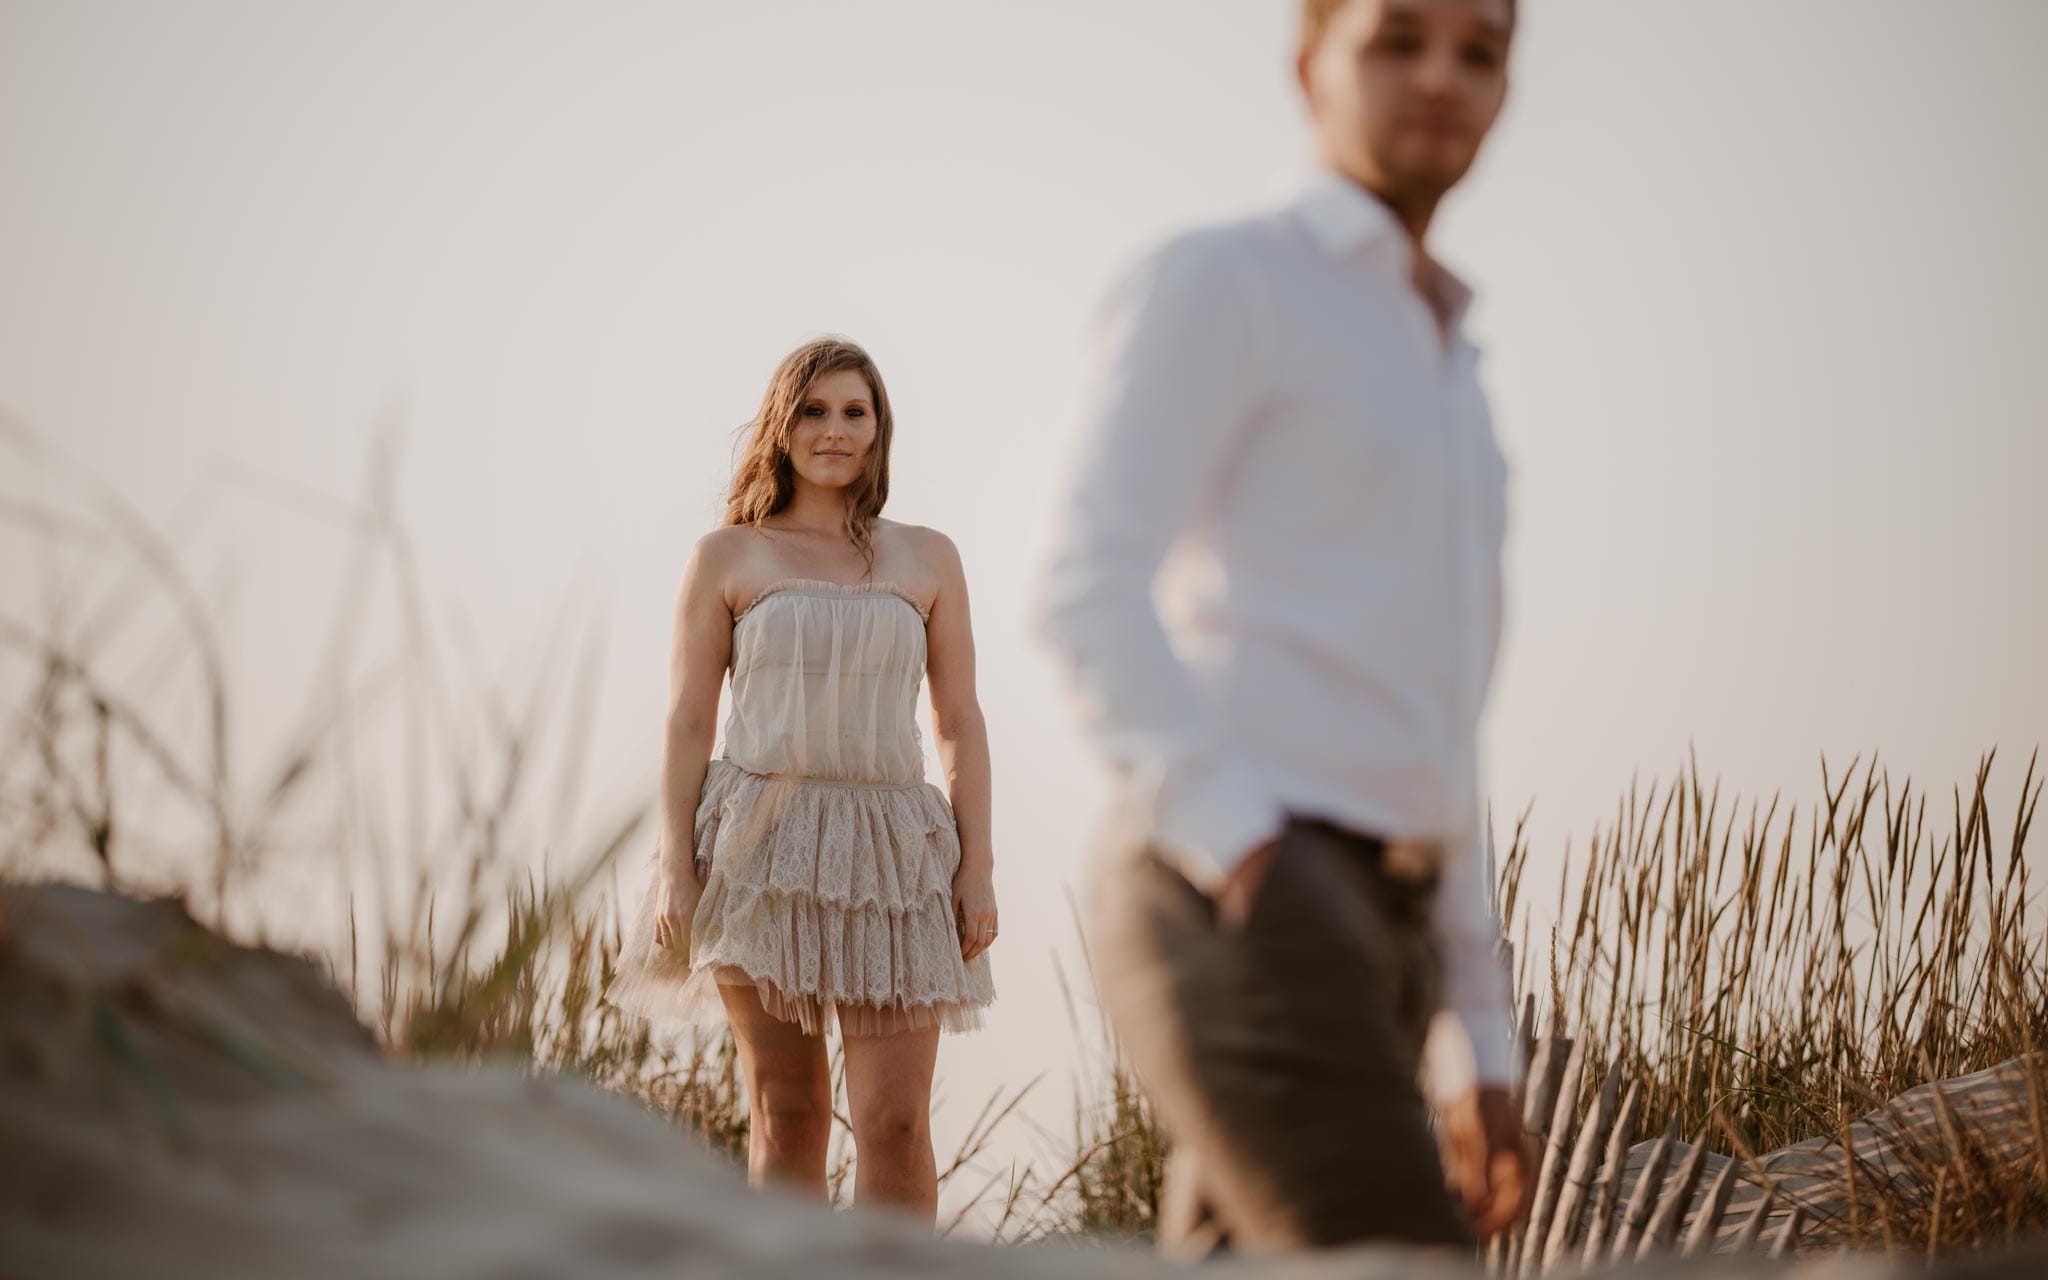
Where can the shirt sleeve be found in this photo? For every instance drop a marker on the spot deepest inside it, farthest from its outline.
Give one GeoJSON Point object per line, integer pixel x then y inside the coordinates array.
{"type": "Point", "coordinates": [1477, 989]}
{"type": "Point", "coordinates": [1478, 984]}
{"type": "Point", "coordinates": [1175, 378]}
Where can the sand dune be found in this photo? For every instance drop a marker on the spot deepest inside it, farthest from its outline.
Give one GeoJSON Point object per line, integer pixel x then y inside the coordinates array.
{"type": "Point", "coordinates": [175, 1105]}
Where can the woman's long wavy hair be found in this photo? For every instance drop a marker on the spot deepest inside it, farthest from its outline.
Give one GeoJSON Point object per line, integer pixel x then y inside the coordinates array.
{"type": "Point", "coordinates": [764, 481]}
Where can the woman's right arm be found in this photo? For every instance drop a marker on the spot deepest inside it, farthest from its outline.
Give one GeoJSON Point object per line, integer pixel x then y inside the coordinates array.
{"type": "Point", "coordinates": [703, 645]}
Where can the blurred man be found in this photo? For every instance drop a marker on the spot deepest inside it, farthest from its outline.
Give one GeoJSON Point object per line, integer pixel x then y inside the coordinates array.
{"type": "Point", "coordinates": [1288, 407]}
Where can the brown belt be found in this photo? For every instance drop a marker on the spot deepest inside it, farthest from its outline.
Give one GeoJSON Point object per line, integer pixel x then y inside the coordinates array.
{"type": "Point", "coordinates": [1409, 861]}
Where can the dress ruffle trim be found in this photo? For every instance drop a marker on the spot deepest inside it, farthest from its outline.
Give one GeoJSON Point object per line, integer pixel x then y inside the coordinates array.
{"type": "Point", "coordinates": [822, 587]}
{"type": "Point", "coordinates": [833, 900]}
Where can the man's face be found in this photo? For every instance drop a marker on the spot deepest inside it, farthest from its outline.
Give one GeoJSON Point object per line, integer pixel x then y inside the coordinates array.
{"type": "Point", "coordinates": [1402, 92]}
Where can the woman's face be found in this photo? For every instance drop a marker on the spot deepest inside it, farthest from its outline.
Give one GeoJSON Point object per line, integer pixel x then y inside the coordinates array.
{"type": "Point", "coordinates": [835, 428]}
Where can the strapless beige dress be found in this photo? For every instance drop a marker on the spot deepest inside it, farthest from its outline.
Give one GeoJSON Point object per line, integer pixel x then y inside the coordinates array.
{"type": "Point", "coordinates": [826, 858]}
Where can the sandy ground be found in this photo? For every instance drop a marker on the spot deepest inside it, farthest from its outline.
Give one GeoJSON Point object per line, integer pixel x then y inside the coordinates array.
{"type": "Point", "coordinates": [173, 1105]}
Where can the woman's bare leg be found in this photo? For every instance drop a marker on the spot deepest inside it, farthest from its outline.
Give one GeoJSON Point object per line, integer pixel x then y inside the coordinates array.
{"type": "Point", "coordinates": [789, 1095]}
{"type": "Point", "coordinates": [889, 1088]}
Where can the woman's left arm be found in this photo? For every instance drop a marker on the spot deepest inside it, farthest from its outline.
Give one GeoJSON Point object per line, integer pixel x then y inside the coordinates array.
{"type": "Point", "coordinates": [962, 737]}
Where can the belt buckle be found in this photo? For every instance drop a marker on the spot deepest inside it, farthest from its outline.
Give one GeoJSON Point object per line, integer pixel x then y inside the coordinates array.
{"type": "Point", "coordinates": [1413, 862]}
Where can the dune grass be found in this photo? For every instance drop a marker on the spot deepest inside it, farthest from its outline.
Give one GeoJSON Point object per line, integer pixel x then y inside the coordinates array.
{"type": "Point", "coordinates": [1786, 973]}
{"type": "Point", "coordinates": [1767, 977]}
{"type": "Point", "coordinates": [1766, 974]}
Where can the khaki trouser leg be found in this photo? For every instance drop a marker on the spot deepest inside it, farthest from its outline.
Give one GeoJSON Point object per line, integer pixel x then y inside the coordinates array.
{"type": "Point", "coordinates": [1282, 1060]}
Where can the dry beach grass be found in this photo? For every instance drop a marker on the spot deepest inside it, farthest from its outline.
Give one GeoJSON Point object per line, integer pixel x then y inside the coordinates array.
{"type": "Point", "coordinates": [1765, 974]}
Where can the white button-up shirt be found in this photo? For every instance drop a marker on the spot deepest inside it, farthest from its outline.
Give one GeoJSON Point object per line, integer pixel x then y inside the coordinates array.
{"type": "Point", "coordinates": [1275, 413]}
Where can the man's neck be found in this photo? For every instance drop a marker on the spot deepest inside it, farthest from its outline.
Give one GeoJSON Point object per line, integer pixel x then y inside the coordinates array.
{"type": "Point", "coordinates": [1414, 214]}
{"type": "Point", "coordinates": [1414, 211]}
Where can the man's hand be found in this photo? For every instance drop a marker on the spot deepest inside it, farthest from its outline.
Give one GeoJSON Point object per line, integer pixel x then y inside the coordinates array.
{"type": "Point", "coordinates": [1234, 897]}
{"type": "Point", "coordinates": [1487, 1157]}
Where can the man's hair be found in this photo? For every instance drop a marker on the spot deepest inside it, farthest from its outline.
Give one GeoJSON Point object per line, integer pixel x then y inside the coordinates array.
{"type": "Point", "coordinates": [1316, 15]}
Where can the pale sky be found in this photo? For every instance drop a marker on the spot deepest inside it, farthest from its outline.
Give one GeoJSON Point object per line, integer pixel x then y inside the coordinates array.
{"type": "Point", "coordinates": [1761, 286]}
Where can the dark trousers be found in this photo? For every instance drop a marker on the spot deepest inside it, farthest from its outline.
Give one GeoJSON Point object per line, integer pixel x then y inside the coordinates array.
{"type": "Point", "coordinates": [1281, 1059]}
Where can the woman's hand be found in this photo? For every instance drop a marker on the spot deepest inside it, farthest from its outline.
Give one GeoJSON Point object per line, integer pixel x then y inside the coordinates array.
{"type": "Point", "coordinates": [676, 906]}
{"type": "Point", "coordinates": [974, 907]}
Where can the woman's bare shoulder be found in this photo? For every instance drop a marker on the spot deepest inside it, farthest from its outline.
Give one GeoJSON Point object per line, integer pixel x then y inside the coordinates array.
{"type": "Point", "coordinates": [918, 538]}
{"type": "Point", "coordinates": [932, 552]}
{"type": "Point", "coordinates": [727, 542]}
{"type": "Point", "coordinates": [720, 562]}
{"type": "Point", "coordinates": [927, 558]}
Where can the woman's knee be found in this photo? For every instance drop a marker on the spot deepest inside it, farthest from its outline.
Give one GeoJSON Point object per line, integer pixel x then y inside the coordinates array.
{"type": "Point", "coordinates": [792, 1110]}
{"type": "Point", "coordinates": [892, 1123]}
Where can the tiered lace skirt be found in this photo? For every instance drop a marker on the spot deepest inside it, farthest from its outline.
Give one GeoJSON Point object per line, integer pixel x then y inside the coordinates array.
{"type": "Point", "coordinates": [833, 900]}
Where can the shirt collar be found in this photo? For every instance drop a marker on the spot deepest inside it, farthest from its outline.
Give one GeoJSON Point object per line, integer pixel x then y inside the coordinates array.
{"type": "Point", "coordinates": [1345, 219]}
{"type": "Point", "coordinates": [1342, 216]}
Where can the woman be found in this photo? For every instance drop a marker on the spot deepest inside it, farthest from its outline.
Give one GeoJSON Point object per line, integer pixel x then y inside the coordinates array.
{"type": "Point", "coordinates": [810, 874]}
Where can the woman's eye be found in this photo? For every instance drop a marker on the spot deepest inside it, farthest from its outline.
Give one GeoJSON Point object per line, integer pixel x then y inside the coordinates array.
{"type": "Point", "coordinates": [814, 411]}
{"type": "Point", "coordinates": [856, 413]}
